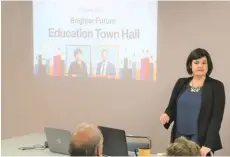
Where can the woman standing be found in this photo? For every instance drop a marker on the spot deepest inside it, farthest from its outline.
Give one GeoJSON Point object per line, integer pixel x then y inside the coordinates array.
{"type": "Point", "coordinates": [197, 104]}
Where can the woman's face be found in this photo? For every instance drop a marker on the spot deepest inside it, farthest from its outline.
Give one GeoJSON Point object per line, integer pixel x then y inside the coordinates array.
{"type": "Point", "coordinates": [200, 66]}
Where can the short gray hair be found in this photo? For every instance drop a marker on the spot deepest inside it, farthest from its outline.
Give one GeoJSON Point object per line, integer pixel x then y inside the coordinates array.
{"type": "Point", "coordinates": [88, 138]}
{"type": "Point", "coordinates": [96, 133]}
{"type": "Point", "coordinates": [183, 147]}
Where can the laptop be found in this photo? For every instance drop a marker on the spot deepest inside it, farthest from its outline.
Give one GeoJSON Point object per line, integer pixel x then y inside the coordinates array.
{"type": "Point", "coordinates": [58, 140]}
{"type": "Point", "coordinates": [115, 143]}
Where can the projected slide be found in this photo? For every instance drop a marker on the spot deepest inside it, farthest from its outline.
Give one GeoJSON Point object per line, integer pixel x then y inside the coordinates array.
{"type": "Point", "coordinates": [110, 39]}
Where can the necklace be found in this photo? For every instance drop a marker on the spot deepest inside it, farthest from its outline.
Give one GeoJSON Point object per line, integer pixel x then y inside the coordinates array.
{"type": "Point", "coordinates": [194, 89]}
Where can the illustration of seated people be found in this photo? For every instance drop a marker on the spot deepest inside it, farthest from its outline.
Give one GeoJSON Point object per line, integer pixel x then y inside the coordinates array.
{"type": "Point", "coordinates": [105, 67]}
{"type": "Point", "coordinates": [78, 67]}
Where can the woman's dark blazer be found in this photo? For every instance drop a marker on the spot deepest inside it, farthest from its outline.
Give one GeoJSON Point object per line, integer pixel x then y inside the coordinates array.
{"type": "Point", "coordinates": [211, 111]}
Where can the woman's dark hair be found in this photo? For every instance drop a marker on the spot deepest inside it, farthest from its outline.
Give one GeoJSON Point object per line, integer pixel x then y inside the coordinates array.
{"type": "Point", "coordinates": [197, 54]}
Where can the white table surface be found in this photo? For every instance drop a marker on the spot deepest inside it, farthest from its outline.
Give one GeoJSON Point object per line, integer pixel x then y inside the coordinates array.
{"type": "Point", "coordinates": [10, 146]}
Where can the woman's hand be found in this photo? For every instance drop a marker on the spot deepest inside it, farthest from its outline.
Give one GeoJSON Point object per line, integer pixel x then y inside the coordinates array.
{"type": "Point", "coordinates": [204, 150]}
{"type": "Point", "coordinates": [164, 118]}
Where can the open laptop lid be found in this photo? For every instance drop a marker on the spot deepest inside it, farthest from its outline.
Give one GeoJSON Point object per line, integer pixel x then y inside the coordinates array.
{"type": "Point", "coordinates": [58, 140]}
{"type": "Point", "coordinates": [115, 143]}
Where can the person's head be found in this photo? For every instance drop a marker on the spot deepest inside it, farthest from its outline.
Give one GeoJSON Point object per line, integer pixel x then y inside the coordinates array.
{"type": "Point", "coordinates": [104, 54]}
{"type": "Point", "coordinates": [183, 147]}
{"type": "Point", "coordinates": [199, 63]}
{"type": "Point", "coordinates": [78, 54]}
{"type": "Point", "coordinates": [86, 141]}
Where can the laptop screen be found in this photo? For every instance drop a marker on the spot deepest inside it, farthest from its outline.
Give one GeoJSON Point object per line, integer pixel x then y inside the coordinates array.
{"type": "Point", "coordinates": [115, 143]}
{"type": "Point", "coordinates": [58, 140]}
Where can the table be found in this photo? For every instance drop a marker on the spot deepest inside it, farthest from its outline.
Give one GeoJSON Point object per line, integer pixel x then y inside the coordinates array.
{"type": "Point", "coordinates": [10, 146]}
